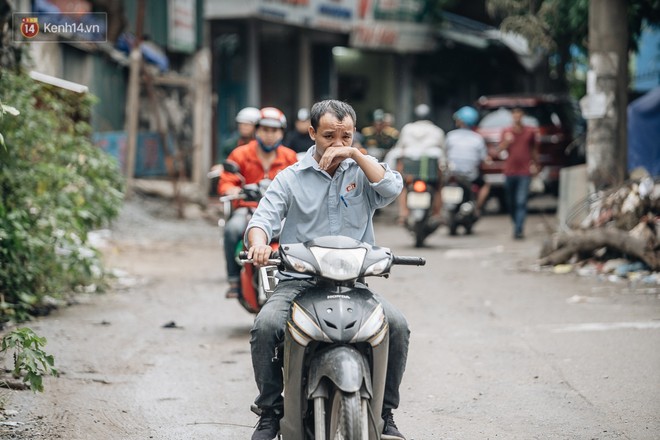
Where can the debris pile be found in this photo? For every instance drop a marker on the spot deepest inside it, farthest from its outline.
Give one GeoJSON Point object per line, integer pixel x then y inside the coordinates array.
{"type": "Point", "coordinates": [621, 225]}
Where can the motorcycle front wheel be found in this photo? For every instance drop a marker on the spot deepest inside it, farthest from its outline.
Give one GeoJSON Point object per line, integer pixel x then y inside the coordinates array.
{"type": "Point", "coordinates": [420, 234]}
{"type": "Point", "coordinates": [346, 418]}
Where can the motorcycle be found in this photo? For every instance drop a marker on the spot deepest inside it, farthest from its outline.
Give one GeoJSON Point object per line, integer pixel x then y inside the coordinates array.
{"type": "Point", "coordinates": [254, 282]}
{"type": "Point", "coordinates": [459, 202]}
{"type": "Point", "coordinates": [421, 177]}
{"type": "Point", "coordinates": [336, 340]}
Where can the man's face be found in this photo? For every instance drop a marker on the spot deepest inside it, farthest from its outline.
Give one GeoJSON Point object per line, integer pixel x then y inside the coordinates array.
{"type": "Point", "coordinates": [270, 135]}
{"type": "Point", "coordinates": [302, 126]}
{"type": "Point", "coordinates": [332, 133]}
{"type": "Point", "coordinates": [245, 130]}
{"type": "Point", "coordinates": [517, 115]}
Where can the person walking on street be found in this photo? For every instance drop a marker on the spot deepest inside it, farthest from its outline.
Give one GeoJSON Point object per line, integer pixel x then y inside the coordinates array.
{"type": "Point", "coordinates": [260, 158]}
{"type": "Point", "coordinates": [466, 151]}
{"type": "Point", "coordinates": [333, 190]}
{"type": "Point", "coordinates": [521, 142]}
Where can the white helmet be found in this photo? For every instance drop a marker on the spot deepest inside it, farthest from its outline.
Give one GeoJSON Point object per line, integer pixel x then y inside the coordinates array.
{"type": "Point", "coordinates": [248, 115]}
{"type": "Point", "coordinates": [303, 114]}
{"type": "Point", "coordinates": [422, 111]}
{"type": "Point", "coordinates": [272, 117]}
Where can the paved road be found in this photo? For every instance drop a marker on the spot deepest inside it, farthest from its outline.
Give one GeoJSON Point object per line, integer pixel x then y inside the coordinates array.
{"type": "Point", "coordinates": [499, 349]}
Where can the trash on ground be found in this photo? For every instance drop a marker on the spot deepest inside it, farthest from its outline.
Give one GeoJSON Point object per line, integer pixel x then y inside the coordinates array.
{"type": "Point", "coordinates": [614, 233]}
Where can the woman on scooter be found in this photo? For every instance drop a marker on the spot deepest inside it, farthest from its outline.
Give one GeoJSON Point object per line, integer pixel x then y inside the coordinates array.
{"type": "Point", "coordinates": [263, 157]}
{"type": "Point", "coordinates": [333, 190]}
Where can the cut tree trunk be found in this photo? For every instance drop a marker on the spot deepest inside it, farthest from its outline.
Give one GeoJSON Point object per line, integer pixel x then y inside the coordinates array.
{"type": "Point", "coordinates": [568, 244]}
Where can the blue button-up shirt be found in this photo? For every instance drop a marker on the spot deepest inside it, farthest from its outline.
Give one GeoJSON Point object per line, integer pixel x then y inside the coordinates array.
{"type": "Point", "coordinates": [315, 203]}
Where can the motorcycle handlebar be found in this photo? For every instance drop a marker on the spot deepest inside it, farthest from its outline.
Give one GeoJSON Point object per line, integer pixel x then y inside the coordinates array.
{"type": "Point", "coordinates": [274, 256]}
{"type": "Point", "coordinates": [406, 261]}
{"type": "Point", "coordinates": [409, 261]}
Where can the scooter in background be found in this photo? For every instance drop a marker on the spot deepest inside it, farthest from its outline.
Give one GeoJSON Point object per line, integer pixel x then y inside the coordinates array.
{"type": "Point", "coordinates": [421, 177]}
{"type": "Point", "coordinates": [255, 283]}
{"type": "Point", "coordinates": [459, 203]}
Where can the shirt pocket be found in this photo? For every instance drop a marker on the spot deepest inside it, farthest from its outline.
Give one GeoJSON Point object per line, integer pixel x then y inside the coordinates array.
{"type": "Point", "coordinates": [355, 210]}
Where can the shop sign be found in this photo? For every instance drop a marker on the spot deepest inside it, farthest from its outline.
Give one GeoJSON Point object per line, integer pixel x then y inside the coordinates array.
{"type": "Point", "coordinates": [397, 10]}
{"type": "Point", "coordinates": [399, 37]}
{"type": "Point", "coordinates": [181, 33]}
{"type": "Point", "coordinates": [337, 15]}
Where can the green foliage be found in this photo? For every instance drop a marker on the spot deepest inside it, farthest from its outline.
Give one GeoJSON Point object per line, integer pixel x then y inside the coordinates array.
{"type": "Point", "coordinates": [558, 26]}
{"type": "Point", "coordinates": [553, 24]}
{"type": "Point", "coordinates": [6, 109]}
{"type": "Point", "coordinates": [549, 24]}
{"type": "Point", "coordinates": [30, 361]}
{"type": "Point", "coordinates": [55, 187]}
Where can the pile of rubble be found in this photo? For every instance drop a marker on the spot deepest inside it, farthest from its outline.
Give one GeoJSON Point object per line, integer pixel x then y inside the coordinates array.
{"type": "Point", "coordinates": [615, 232]}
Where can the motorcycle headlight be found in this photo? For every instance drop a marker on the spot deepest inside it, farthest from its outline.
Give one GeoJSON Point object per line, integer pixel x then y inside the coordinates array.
{"type": "Point", "coordinates": [339, 264]}
{"type": "Point", "coordinates": [310, 330]}
{"type": "Point", "coordinates": [372, 328]}
{"type": "Point", "coordinates": [300, 265]}
{"type": "Point", "coordinates": [378, 267]}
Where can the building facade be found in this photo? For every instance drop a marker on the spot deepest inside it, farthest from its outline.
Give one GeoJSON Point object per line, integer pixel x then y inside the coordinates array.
{"type": "Point", "coordinates": [371, 53]}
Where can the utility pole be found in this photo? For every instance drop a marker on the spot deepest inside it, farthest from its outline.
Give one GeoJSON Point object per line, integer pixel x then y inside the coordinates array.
{"type": "Point", "coordinates": [605, 104]}
{"type": "Point", "coordinates": [133, 99]}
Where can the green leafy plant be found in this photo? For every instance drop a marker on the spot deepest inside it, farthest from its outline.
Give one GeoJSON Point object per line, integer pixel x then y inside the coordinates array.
{"type": "Point", "coordinates": [6, 109]}
{"type": "Point", "coordinates": [55, 187]}
{"type": "Point", "coordinates": [30, 360]}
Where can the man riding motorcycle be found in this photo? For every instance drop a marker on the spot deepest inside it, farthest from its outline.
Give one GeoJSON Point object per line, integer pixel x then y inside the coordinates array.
{"type": "Point", "coordinates": [420, 138]}
{"type": "Point", "coordinates": [263, 157]}
{"type": "Point", "coordinates": [246, 126]}
{"type": "Point", "coordinates": [333, 190]}
{"type": "Point", "coordinates": [466, 150]}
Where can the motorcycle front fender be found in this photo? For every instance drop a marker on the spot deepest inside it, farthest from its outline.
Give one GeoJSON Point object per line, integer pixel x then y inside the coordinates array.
{"type": "Point", "coordinates": [344, 366]}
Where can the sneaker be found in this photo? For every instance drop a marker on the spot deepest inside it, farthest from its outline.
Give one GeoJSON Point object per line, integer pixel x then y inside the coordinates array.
{"type": "Point", "coordinates": [234, 291]}
{"type": "Point", "coordinates": [390, 431]}
{"type": "Point", "coordinates": [268, 426]}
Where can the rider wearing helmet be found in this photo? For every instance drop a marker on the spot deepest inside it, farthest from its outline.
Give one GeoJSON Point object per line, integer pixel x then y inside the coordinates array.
{"type": "Point", "coordinates": [298, 139]}
{"type": "Point", "coordinates": [246, 123]}
{"type": "Point", "coordinates": [379, 137]}
{"type": "Point", "coordinates": [261, 158]}
{"type": "Point", "coordinates": [466, 151]}
{"type": "Point", "coordinates": [419, 139]}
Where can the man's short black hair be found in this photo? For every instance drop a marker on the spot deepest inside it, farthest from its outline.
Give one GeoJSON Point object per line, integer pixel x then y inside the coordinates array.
{"type": "Point", "coordinates": [337, 108]}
